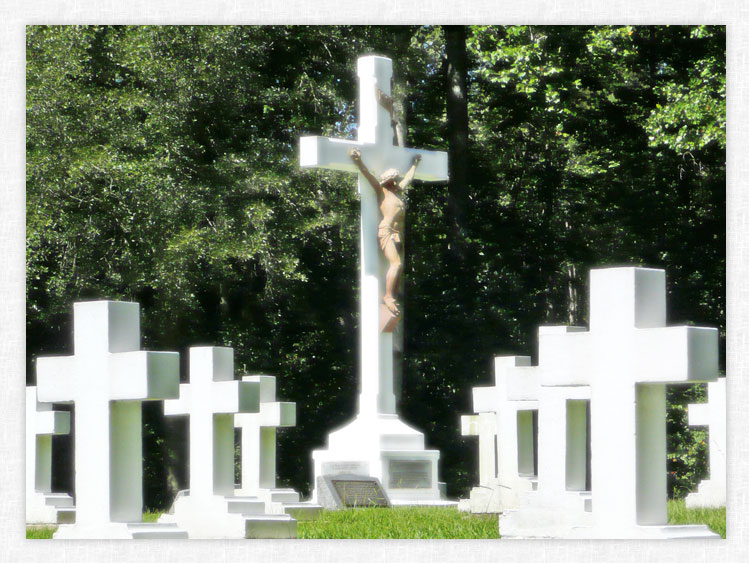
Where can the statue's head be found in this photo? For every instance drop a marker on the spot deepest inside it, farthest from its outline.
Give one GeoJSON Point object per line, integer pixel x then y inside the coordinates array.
{"type": "Point", "coordinates": [390, 175]}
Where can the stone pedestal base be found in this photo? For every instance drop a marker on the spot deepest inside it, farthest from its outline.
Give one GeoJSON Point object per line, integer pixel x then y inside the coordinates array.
{"type": "Point", "coordinates": [382, 446]}
{"type": "Point", "coordinates": [548, 515]}
{"type": "Point", "coordinates": [228, 517]}
{"type": "Point", "coordinates": [709, 494]}
{"type": "Point", "coordinates": [494, 497]}
{"type": "Point", "coordinates": [50, 508]}
{"type": "Point", "coordinates": [664, 532]}
{"type": "Point", "coordinates": [484, 500]}
{"type": "Point", "coordinates": [119, 531]}
{"type": "Point", "coordinates": [570, 517]}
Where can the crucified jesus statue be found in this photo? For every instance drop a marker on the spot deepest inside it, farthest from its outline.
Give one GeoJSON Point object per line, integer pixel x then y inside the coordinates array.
{"type": "Point", "coordinates": [389, 189]}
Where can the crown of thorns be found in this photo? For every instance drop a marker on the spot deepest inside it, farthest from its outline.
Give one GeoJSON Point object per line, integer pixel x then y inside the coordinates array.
{"type": "Point", "coordinates": [390, 174]}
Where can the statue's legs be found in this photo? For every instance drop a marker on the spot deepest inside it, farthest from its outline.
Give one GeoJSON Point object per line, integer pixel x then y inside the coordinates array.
{"type": "Point", "coordinates": [390, 250]}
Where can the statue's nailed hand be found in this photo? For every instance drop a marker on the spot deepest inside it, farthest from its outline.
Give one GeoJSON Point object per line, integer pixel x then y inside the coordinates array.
{"type": "Point", "coordinates": [417, 159]}
{"type": "Point", "coordinates": [355, 155]}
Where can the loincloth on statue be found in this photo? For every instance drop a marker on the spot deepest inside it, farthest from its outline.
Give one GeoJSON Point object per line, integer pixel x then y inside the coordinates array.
{"type": "Point", "coordinates": [387, 234]}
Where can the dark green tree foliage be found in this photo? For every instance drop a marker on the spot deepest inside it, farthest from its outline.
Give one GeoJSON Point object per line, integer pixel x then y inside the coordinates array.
{"type": "Point", "coordinates": [162, 167]}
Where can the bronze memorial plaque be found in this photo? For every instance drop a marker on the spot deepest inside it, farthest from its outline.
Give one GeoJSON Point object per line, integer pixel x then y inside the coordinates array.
{"type": "Point", "coordinates": [360, 492]}
{"type": "Point", "coordinates": [410, 474]}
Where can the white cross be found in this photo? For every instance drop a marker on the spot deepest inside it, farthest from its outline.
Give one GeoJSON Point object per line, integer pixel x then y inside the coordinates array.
{"type": "Point", "coordinates": [510, 404]}
{"type": "Point", "coordinates": [41, 424]}
{"type": "Point", "coordinates": [375, 141]}
{"type": "Point", "coordinates": [259, 436]}
{"type": "Point", "coordinates": [712, 491]}
{"type": "Point", "coordinates": [633, 356]}
{"type": "Point", "coordinates": [564, 376]}
{"type": "Point", "coordinates": [516, 396]}
{"type": "Point", "coordinates": [106, 380]}
{"type": "Point", "coordinates": [211, 399]}
{"type": "Point", "coordinates": [622, 365]}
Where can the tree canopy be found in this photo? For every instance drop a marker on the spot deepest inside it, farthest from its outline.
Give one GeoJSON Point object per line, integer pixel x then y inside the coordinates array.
{"type": "Point", "coordinates": [162, 167]}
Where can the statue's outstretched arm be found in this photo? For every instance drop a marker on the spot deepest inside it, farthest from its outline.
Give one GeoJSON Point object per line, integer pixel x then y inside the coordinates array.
{"type": "Point", "coordinates": [356, 157]}
{"type": "Point", "coordinates": [408, 178]}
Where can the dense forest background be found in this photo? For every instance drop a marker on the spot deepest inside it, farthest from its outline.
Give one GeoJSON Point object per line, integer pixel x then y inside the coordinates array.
{"type": "Point", "coordinates": [162, 167]}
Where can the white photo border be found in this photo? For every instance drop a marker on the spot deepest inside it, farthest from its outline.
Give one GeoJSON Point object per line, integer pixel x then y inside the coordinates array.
{"type": "Point", "coordinates": [16, 14]}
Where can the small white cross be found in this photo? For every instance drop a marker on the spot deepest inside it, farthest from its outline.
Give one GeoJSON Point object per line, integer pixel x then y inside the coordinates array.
{"type": "Point", "coordinates": [259, 436]}
{"type": "Point", "coordinates": [41, 424]}
{"type": "Point", "coordinates": [211, 399]}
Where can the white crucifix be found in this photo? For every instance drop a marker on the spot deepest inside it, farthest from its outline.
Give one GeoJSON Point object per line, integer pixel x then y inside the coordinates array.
{"type": "Point", "coordinates": [711, 491]}
{"type": "Point", "coordinates": [375, 142]}
{"type": "Point", "coordinates": [42, 505]}
{"type": "Point", "coordinates": [210, 400]}
{"type": "Point", "coordinates": [107, 379]}
{"type": "Point", "coordinates": [259, 437]}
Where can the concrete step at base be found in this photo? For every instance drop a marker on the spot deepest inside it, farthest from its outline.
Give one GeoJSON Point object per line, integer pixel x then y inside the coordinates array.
{"type": "Point", "coordinates": [302, 511]}
{"type": "Point", "coordinates": [270, 526]}
{"type": "Point", "coordinates": [66, 515]}
{"type": "Point", "coordinates": [245, 505]}
{"type": "Point", "coordinates": [156, 531]}
{"type": "Point", "coordinates": [59, 500]}
{"type": "Point", "coordinates": [283, 495]}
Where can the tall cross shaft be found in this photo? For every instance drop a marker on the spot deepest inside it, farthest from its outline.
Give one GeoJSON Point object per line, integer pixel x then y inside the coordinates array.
{"type": "Point", "coordinates": [375, 142]}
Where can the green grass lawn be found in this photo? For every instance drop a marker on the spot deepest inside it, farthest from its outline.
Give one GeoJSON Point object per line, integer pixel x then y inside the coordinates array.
{"type": "Point", "coordinates": [45, 532]}
{"type": "Point", "coordinates": [714, 518]}
{"type": "Point", "coordinates": [40, 532]}
{"type": "Point", "coordinates": [417, 522]}
{"type": "Point", "coordinates": [426, 523]}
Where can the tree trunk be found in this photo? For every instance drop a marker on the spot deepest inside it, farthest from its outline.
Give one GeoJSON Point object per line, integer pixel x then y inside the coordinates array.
{"type": "Point", "coordinates": [457, 128]}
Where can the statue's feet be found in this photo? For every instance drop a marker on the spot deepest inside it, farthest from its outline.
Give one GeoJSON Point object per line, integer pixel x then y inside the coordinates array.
{"type": "Point", "coordinates": [390, 303]}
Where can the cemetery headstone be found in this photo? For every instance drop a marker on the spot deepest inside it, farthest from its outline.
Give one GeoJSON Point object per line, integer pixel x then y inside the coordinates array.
{"type": "Point", "coordinates": [561, 498]}
{"type": "Point", "coordinates": [258, 452]}
{"type": "Point", "coordinates": [711, 492]}
{"type": "Point", "coordinates": [210, 508]}
{"type": "Point", "coordinates": [42, 505]}
{"type": "Point", "coordinates": [106, 380]}
{"type": "Point", "coordinates": [624, 362]}
{"type": "Point", "coordinates": [507, 455]}
{"type": "Point", "coordinates": [377, 438]}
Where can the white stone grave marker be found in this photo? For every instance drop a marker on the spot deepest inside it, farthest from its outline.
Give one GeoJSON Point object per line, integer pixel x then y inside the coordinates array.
{"type": "Point", "coordinates": [259, 452]}
{"type": "Point", "coordinates": [507, 461]}
{"type": "Point", "coordinates": [627, 357]}
{"type": "Point", "coordinates": [712, 491]}
{"type": "Point", "coordinates": [376, 440]}
{"type": "Point", "coordinates": [107, 379]}
{"type": "Point", "coordinates": [42, 505]}
{"type": "Point", "coordinates": [563, 491]}
{"type": "Point", "coordinates": [210, 509]}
